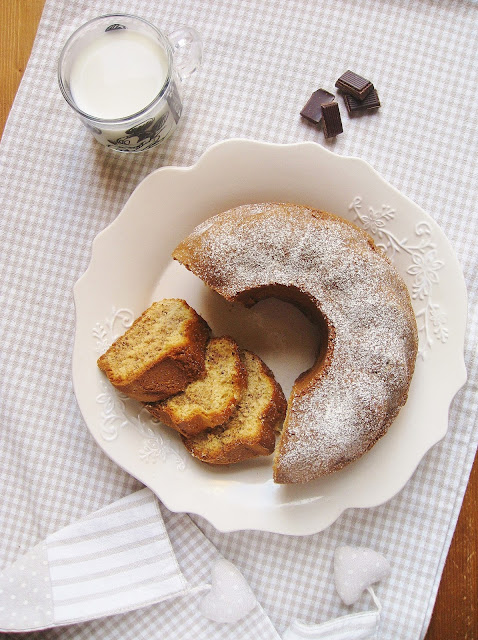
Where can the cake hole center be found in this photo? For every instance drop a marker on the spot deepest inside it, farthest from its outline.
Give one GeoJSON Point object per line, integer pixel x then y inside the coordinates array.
{"type": "Point", "coordinates": [287, 335]}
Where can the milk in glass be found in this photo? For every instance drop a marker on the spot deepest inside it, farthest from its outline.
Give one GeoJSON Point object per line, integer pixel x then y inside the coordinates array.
{"type": "Point", "coordinates": [118, 74]}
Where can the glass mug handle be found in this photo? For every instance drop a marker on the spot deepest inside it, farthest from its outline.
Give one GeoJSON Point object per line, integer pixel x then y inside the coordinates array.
{"type": "Point", "coordinates": [187, 51]}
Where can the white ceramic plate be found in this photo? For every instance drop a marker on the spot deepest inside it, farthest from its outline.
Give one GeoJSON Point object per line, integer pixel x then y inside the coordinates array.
{"type": "Point", "coordinates": [131, 266]}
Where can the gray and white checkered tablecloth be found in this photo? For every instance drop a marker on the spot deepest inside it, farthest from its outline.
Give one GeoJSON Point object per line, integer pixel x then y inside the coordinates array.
{"type": "Point", "coordinates": [59, 188]}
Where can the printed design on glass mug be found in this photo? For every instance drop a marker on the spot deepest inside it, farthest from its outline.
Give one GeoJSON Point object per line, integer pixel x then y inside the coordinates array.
{"type": "Point", "coordinates": [143, 135]}
{"type": "Point", "coordinates": [114, 27]}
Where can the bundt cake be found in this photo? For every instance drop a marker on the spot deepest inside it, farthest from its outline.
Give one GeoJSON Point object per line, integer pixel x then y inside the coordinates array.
{"type": "Point", "coordinates": [333, 271]}
{"type": "Point", "coordinates": [251, 431]}
{"type": "Point", "coordinates": [160, 354]}
{"type": "Point", "coordinates": [209, 401]}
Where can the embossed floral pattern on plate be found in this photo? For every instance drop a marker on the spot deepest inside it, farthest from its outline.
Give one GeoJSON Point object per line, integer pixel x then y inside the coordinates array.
{"type": "Point", "coordinates": [118, 411]}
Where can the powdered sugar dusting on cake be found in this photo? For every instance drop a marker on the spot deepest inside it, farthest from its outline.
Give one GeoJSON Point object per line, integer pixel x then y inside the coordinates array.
{"type": "Point", "coordinates": [357, 290]}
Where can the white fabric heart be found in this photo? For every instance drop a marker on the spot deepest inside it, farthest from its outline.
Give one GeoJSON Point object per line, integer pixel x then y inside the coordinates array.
{"type": "Point", "coordinates": [356, 568]}
{"type": "Point", "coordinates": [230, 597]}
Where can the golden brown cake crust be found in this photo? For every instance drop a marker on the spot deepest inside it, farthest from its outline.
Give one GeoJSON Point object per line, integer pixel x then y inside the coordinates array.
{"type": "Point", "coordinates": [193, 410]}
{"type": "Point", "coordinates": [262, 424]}
{"type": "Point", "coordinates": [333, 271]}
{"type": "Point", "coordinates": [173, 368]}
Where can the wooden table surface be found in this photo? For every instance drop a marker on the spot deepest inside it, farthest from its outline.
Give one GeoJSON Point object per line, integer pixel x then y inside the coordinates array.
{"type": "Point", "coordinates": [455, 616]}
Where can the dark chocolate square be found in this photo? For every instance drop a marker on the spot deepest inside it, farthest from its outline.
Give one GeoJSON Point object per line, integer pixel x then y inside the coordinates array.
{"type": "Point", "coordinates": [355, 85]}
{"type": "Point", "coordinates": [332, 119]}
{"type": "Point", "coordinates": [369, 103]}
{"type": "Point", "coordinates": [313, 108]}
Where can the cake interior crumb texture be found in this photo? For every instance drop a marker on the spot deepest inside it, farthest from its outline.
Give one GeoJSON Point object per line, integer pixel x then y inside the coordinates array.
{"type": "Point", "coordinates": [159, 330]}
{"type": "Point", "coordinates": [214, 392]}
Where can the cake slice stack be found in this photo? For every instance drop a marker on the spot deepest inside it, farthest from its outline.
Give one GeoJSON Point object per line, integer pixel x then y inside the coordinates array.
{"type": "Point", "coordinates": [224, 401]}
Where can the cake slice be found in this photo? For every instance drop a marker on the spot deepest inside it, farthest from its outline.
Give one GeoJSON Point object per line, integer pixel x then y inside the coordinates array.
{"type": "Point", "coordinates": [210, 401]}
{"type": "Point", "coordinates": [251, 430]}
{"type": "Point", "coordinates": [160, 354]}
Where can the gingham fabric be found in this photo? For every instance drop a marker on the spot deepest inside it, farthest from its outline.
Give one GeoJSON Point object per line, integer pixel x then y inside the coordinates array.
{"type": "Point", "coordinates": [59, 188]}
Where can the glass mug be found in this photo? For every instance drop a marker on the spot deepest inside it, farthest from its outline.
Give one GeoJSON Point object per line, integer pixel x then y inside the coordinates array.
{"type": "Point", "coordinates": [122, 76]}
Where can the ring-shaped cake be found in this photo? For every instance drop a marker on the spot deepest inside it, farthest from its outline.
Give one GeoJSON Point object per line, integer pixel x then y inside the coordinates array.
{"type": "Point", "coordinates": [335, 274]}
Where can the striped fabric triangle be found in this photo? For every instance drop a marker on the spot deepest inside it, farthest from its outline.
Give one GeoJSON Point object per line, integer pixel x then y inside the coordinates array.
{"type": "Point", "coordinates": [117, 559]}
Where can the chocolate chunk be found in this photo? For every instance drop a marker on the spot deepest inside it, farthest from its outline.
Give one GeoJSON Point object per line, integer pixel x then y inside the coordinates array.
{"type": "Point", "coordinates": [312, 110]}
{"type": "Point", "coordinates": [354, 84]}
{"type": "Point", "coordinates": [332, 119]}
{"type": "Point", "coordinates": [369, 103]}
